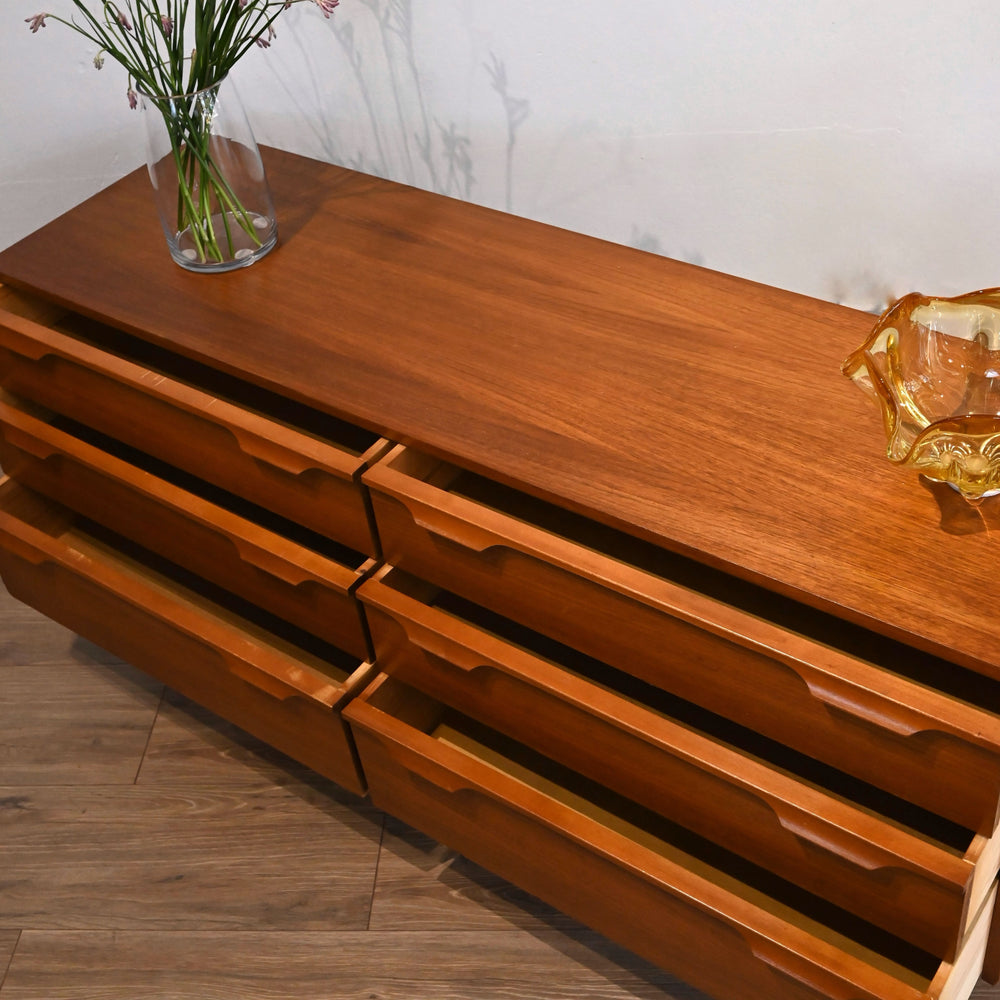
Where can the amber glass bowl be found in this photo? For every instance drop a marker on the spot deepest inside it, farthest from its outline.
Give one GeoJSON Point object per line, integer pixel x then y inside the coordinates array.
{"type": "Point", "coordinates": [933, 365]}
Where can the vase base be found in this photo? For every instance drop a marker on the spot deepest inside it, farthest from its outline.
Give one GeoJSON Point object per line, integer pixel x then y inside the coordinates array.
{"type": "Point", "coordinates": [239, 249]}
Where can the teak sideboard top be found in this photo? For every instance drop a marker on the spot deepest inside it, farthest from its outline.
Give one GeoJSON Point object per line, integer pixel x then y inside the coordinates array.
{"type": "Point", "coordinates": [695, 409]}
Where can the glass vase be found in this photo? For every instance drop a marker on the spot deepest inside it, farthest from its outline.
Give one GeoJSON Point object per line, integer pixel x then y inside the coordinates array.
{"type": "Point", "coordinates": [208, 179]}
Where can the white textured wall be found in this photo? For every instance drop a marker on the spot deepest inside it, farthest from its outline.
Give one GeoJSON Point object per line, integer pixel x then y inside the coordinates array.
{"type": "Point", "coordinates": [841, 148]}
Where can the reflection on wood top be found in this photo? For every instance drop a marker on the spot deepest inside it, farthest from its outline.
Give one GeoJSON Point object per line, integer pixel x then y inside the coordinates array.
{"type": "Point", "coordinates": [696, 409]}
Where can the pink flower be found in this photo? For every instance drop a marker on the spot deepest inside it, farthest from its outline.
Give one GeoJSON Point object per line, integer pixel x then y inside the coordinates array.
{"type": "Point", "coordinates": [36, 21]}
{"type": "Point", "coordinates": [265, 43]}
{"type": "Point", "coordinates": [327, 6]}
{"type": "Point", "coordinates": [133, 99]}
{"type": "Point", "coordinates": [166, 24]}
{"type": "Point", "coordinates": [124, 21]}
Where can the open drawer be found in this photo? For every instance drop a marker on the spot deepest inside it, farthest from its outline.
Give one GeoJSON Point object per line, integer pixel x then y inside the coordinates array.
{"type": "Point", "coordinates": [917, 727]}
{"type": "Point", "coordinates": [724, 926]}
{"type": "Point", "coordinates": [897, 866]}
{"type": "Point", "coordinates": [289, 458]}
{"type": "Point", "coordinates": [278, 683]}
{"type": "Point", "coordinates": [298, 575]}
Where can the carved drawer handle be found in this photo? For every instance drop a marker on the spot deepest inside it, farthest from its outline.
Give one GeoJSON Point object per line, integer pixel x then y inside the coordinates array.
{"type": "Point", "coordinates": [269, 563]}
{"type": "Point", "coordinates": [274, 687]}
{"type": "Point", "coordinates": [455, 529]}
{"type": "Point", "coordinates": [18, 336]}
{"type": "Point", "coordinates": [21, 548]}
{"type": "Point", "coordinates": [278, 457]}
{"type": "Point", "coordinates": [441, 778]}
{"type": "Point", "coordinates": [453, 652]}
{"type": "Point", "coordinates": [897, 719]}
{"type": "Point", "coordinates": [28, 443]}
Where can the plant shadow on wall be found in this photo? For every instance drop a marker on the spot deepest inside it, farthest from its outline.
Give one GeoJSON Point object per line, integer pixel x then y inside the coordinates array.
{"type": "Point", "coordinates": [410, 142]}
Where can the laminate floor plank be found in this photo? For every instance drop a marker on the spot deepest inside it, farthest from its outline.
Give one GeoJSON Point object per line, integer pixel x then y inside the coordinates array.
{"type": "Point", "coordinates": [324, 966]}
{"type": "Point", "coordinates": [74, 723]}
{"type": "Point", "coordinates": [224, 869]}
{"type": "Point", "coordinates": [184, 858]}
{"type": "Point", "coordinates": [28, 637]}
{"type": "Point", "coordinates": [423, 885]}
{"type": "Point", "coordinates": [190, 744]}
{"type": "Point", "coordinates": [8, 941]}
{"type": "Point", "coordinates": [34, 640]}
{"type": "Point", "coordinates": [13, 610]}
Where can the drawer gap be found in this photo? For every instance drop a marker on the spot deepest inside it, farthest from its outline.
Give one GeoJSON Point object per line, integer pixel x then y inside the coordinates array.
{"type": "Point", "coordinates": [208, 491]}
{"type": "Point", "coordinates": [942, 832]}
{"type": "Point", "coordinates": [790, 615]}
{"type": "Point", "coordinates": [658, 834]}
{"type": "Point", "coordinates": [97, 542]}
{"type": "Point", "coordinates": [275, 631]}
{"type": "Point", "coordinates": [279, 409]}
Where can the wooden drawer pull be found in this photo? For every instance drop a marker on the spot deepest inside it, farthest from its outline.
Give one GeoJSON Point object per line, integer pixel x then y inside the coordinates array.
{"type": "Point", "coordinates": [900, 720]}
{"type": "Point", "coordinates": [858, 854]}
{"type": "Point", "coordinates": [27, 442]}
{"type": "Point", "coordinates": [272, 686]}
{"type": "Point", "coordinates": [424, 771]}
{"type": "Point", "coordinates": [453, 653]}
{"type": "Point", "coordinates": [269, 563]}
{"type": "Point", "coordinates": [21, 336]}
{"type": "Point", "coordinates": [456, 530]}
{"type": "Point", "coordinates": [23, 549]}
{"type": "Point", "coordinates": [270, 453]}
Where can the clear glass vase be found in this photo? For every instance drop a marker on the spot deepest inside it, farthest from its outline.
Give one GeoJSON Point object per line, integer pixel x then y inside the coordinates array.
{"type": "Point", "coordinates": [208, 179]}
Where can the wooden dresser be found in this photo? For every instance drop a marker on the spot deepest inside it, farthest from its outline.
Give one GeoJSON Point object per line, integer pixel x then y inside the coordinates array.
{"type": "Point", "coordinates": [585, 562]}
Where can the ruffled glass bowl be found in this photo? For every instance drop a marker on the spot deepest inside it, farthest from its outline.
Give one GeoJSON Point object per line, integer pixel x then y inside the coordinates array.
{"type": "Point", "coordinates": [933, 365]}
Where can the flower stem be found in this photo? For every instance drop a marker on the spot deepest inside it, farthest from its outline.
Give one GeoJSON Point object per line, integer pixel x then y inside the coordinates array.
{"type": "Point", "coordinates": [202, 187]}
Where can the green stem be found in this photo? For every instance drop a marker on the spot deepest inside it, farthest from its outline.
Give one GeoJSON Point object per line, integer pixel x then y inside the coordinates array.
{"type": "Point", "coordinates": [189, 124]}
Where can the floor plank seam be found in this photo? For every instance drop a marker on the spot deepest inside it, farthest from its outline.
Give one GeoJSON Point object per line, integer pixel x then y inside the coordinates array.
{"type": "Point", "coordinates": [375, 868]}
{"type": "Point", "coordinates": [149, 735]}
{"type": "Point", "coordinates": [10, 960]}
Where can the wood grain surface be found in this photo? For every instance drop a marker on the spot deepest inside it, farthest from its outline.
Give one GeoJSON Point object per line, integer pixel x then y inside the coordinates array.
{"type": "Point", "coordinates": [414, 965]}
{"type": "Point", "coordinates": [28, 639]}
{"type": "Point", "coordinates": [74, 723]}
{"type": "Point", "coordinates": [189, 743]}
{"type": "Point", "coordinates": [147, 850]}
{"type": "Point", "coordinates": [8, 941]}
{"type": "Point", "coordinates": [183, 856]}
{"type": "Point", "coordinates": [692, 408]}
{"type": "Point", "coordinates": [305, 898]}
{"type": "Point", "coordinates": [206, 865]}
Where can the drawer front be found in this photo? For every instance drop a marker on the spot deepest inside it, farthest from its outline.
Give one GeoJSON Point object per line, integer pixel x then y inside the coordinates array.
{"type": "Point", "coordinates": [301, 476]}
{"type": "Point", "coordinates": [722, 936]}
{"type": "Point", "coordinates": [309, 589]}
{"type": "Point", "coordinates": [910, 739]}
{"type": "Point", "coordinates": [652, 751]}
{"type": "Point", "coordinates": [289, 703]}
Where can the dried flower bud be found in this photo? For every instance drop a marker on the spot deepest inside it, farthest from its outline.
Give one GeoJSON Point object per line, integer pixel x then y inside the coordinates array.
{"type": "Point", "coordinates": [35, 22]}
{"type": "Point", "coordinates": [133, 99]}
{"type": "Point", "coordinates": [99, 61]}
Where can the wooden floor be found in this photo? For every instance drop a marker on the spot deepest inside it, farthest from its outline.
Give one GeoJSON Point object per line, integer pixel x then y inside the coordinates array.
{"type": "Point", "coordinates": [149, 850]}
